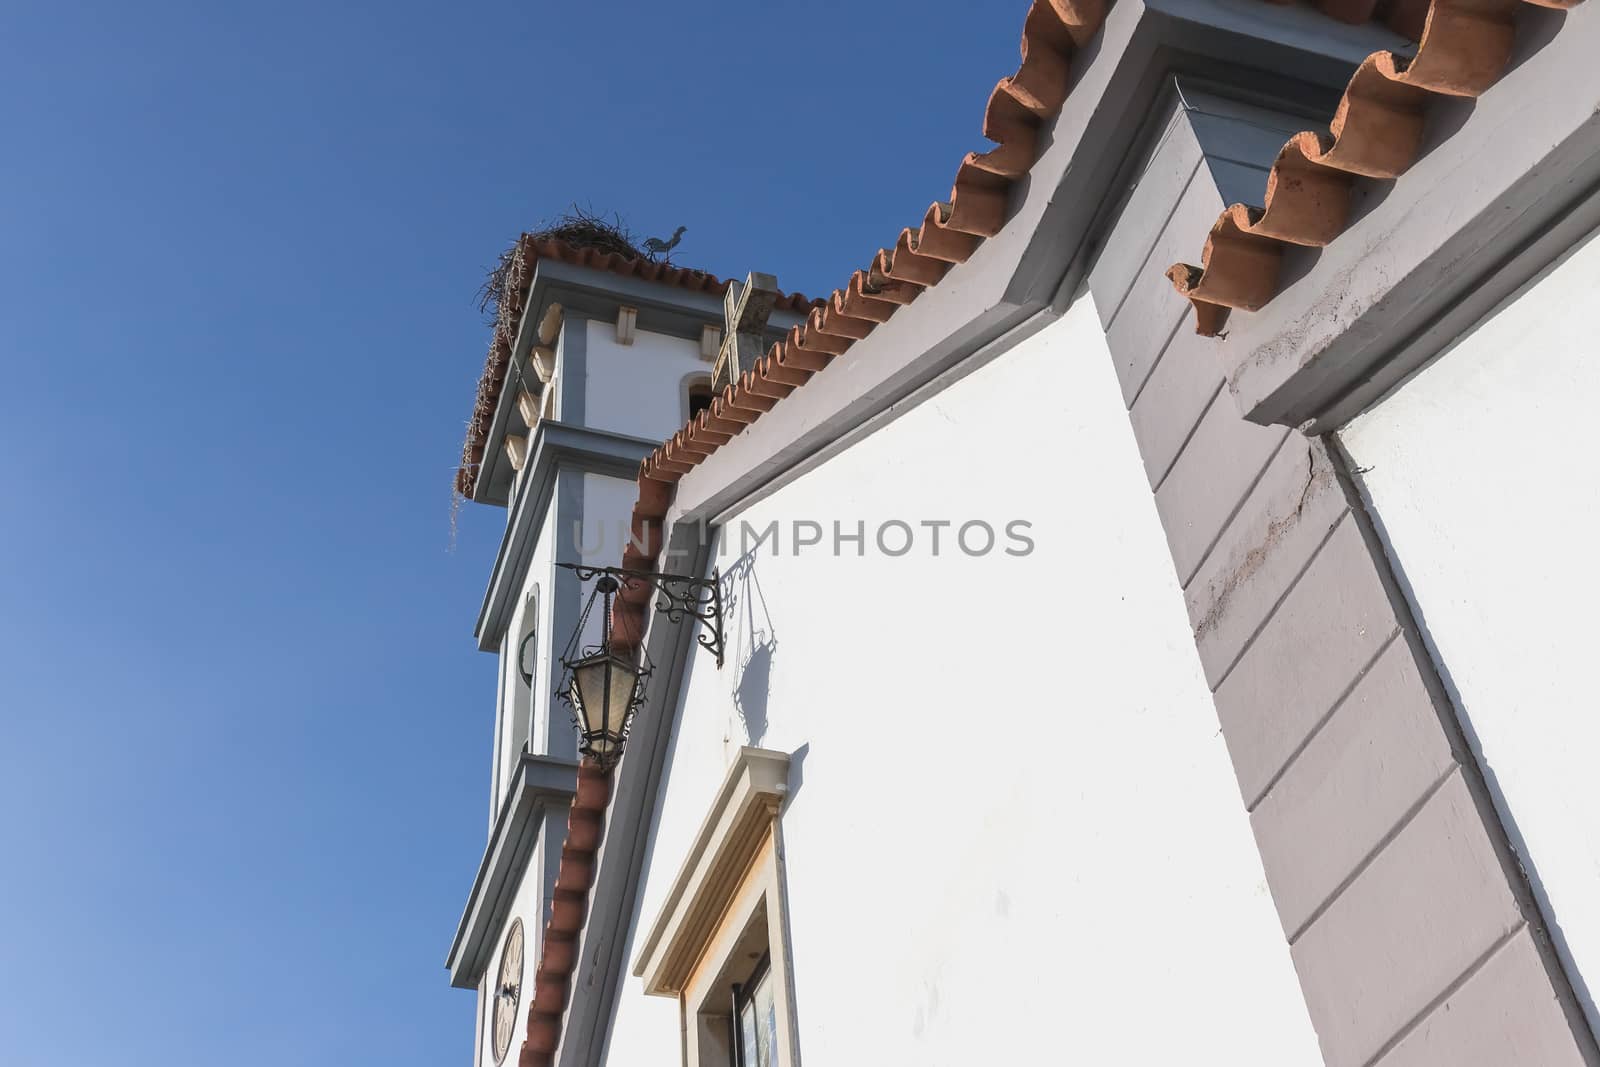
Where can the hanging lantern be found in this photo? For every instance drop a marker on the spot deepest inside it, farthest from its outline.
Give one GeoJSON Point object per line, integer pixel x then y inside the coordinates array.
{"type": "Point", "coordinates": [603, 685]}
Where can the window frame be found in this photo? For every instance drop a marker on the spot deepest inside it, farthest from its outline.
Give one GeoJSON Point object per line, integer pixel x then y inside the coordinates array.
{"type": "Point", "coordinates": [742, 998]}
{"type": "Point", "coordinates": [727, 910]}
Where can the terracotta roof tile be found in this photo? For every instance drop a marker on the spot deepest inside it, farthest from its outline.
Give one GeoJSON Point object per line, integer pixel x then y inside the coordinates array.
{"type": "Point", "coordinates": [950, 233]}
{"type": "Point", "coordinates": [558, 956]}
{"type": "Point", "coordinates": [525, 257]}
{"type": "Point", "coordinates": [1463, 48]}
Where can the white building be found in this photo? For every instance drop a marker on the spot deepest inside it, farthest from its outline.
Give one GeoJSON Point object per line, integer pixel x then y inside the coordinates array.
{"type": "Point", "coordinates": [1092, 689]}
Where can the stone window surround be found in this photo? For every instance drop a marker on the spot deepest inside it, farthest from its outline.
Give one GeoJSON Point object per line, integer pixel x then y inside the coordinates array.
{"type": "Point", "coordinates": [729, 895]}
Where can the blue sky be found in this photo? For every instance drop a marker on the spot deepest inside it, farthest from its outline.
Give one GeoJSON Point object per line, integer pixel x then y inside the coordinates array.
{"type": "Point", "coordinates": [244, 762]}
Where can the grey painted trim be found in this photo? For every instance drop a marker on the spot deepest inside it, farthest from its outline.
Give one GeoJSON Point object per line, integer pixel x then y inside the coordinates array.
{"type": "Point", "coordinates": [572, 370]}
{"type": "Point", "coordinates": [1320, 676]}
{"type": "Point", "coordinates": [1521, 266]}
{"type": "Point", "coordinates": [566, 603]}
{"type": "Point", "coordinates": [615, 897]}
{"type": "Point", "coordinates": [542, 786]}
{"type": "Point", "coordinates": [556, 446]}
{"type": "Point", "coordinates": [1485, 207]}
{"type": "Point", "coordinates": [586, 293]}
{"type": "Point", "coordinates": [1516, 859]}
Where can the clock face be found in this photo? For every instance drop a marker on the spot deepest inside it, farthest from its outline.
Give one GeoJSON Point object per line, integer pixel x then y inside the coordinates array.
{"type": "Point", "coordinates": [508, 991]}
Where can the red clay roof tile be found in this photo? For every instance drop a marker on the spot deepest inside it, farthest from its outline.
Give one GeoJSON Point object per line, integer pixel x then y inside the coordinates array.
{"type": "Point", "coordinates": [552, 981]}
{"type": "Point", "coordinates": [950, 233]}
{"type": "Point", "coordinates": [1464, 46]}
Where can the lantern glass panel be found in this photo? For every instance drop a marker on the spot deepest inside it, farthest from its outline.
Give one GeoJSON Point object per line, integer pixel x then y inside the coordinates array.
{"type": "Point", "coordinates": [602, 691]}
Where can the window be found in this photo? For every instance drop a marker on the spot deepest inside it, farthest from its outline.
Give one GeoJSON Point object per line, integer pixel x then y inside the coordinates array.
{"type": "Point", "coordinates": [720, 943]}
{"type": "Point", "coordinates": [698, 393]}
{"type": "Point", "coordinates": [527, 676]}
{"type": "Point", "coordinates": [755, 1019]}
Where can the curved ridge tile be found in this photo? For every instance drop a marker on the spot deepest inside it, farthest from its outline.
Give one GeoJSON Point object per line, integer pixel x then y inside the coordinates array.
{"type": "Point", "coordinates": [903, 264]}
{"type": "Point", "coordinates": [1040, 84]}
{"type": "Point", "coordinates": [857, 301]}
{"type": "Point", "coordinates": [1307, 200]}
{"type": "Point", "coordinates": [942, 242]}
{"type": "Point", "coordinates": [1376, 133]}
{"type": "Point", "coordinates": [558, 957]}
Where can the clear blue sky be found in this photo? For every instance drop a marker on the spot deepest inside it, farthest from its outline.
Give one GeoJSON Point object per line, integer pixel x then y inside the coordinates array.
{"type": "Point", "coordinates": [245, 755]}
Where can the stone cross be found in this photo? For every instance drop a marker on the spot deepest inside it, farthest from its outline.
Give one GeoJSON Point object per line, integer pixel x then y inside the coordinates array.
{"type": "Point", "coordinates": [745, 308]}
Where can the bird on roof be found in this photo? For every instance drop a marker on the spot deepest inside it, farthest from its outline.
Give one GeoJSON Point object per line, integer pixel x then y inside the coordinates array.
{"type": "Point", "coordinates": [655, 246]}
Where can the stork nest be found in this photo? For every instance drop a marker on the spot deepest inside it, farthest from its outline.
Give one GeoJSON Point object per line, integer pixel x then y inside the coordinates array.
{"type": "Point", "coordinates": [578, 228]}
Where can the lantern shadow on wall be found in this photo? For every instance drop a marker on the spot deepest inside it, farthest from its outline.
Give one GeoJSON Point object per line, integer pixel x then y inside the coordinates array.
{"type": "Point", "coordinates": [755, 644]}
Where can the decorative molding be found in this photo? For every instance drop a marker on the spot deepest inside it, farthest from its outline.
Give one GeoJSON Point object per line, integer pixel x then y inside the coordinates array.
{"type": "Point", "coordinates": [516, 450]}
{"type": "Point", "coordinates": [710, 342]}
{"type": "Point", "coordinates": [528, 408]}
{"type": "Point", "coordinates": [544, 362]}
{"type": "Point", "coordinates": [550, 325]}
{"type": "Point", "coordinates": [542, 784]}
{"type": "Point", "coordinates": [627, 325]}
{"type": "Point", "coordinates": [730, 837]}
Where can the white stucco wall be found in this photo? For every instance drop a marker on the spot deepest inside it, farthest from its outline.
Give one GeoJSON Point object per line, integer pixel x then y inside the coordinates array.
{"type": "Point", "coordinates": [1481, 477]}
{"type": "Point", "coordinates": [637, 389]}
{"type": "Point", "coordinates": [1015, 835]}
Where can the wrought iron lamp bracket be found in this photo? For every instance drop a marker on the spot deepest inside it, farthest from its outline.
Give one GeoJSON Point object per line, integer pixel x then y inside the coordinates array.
{"type": "Point", "coordinates": [680, 596]}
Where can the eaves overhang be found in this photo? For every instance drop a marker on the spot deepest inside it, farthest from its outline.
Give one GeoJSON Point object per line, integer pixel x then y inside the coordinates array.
{"type": "Point", "coordinates": [589, 293]}
{"type": "Point", "coordinates": [556, 446]}
{"type": "Point", "coordinates": [1503, 185]}
{"type": "Point", "coordinates": [541, 783]}
{"type": "Point", "coordinates": [1294, 57]}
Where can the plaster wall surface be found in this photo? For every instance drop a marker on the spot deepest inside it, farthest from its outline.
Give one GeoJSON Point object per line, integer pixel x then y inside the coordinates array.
{"type": "Point", "coordinates": [637, 389]}
{"type": "Point", "coordinates": [1479, 475]}
{"type": "Point", "coordinates": [1013, 833]}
